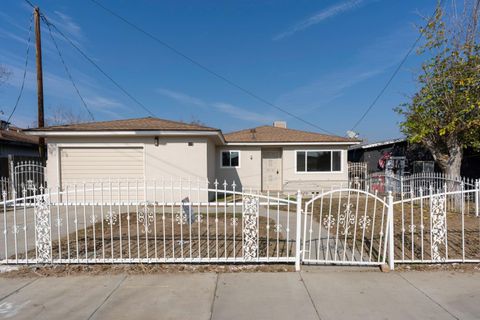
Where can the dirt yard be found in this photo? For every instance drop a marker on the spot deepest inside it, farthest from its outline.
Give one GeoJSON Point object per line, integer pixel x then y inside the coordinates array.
{"type": "Point", "coordinates": [169, 236]}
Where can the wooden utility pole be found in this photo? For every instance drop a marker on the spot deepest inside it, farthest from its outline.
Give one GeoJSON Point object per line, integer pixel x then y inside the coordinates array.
{"type": "Point", "coordinates": [41, 122]}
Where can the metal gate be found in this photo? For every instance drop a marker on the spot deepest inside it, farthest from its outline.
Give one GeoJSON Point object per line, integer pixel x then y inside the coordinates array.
{"type": "Point", "coordinates": [346, 227]}
{"type": "Point", "coordinates": [27, 177]}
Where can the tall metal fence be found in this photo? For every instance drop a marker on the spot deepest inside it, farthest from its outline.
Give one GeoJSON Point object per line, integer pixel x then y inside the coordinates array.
{"type": "Point", "coordinates": [407, 185]}
{"type": "Point", "coordinates": [150, 222]}
{"type": "Point", "coordinates": [196, 222]}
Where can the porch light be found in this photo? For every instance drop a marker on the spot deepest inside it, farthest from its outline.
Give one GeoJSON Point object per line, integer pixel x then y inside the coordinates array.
{"type": "Point", "coordinates": [156, 141]}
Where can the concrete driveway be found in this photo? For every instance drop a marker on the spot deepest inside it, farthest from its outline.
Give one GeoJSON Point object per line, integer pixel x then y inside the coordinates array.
{"type": "Point", "coordinates": [315, 293]}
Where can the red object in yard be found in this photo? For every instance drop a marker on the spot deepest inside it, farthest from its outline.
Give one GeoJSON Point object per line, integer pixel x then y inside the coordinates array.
{"type": "Point", "coordinates": [378, 183]}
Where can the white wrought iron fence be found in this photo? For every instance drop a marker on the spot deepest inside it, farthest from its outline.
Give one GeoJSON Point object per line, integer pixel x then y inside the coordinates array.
{"type": "Point", "coordinates": [27, 176]}
{"type": "Point", "coordinates": [438, 226]}
{"type": "Point", "coordinates": [153, 222]}
{"type": "Point", "coordinates": [423, 181]}
{"type": "Point", "coordinates": [193, 222]}
{"type": "Point", "coordinates": [5, 185]}
{"type": "Point", "coordinates": [357, 174]}
{"type": "Point", "coordinates": [346, 226]}
{"type": "Point", "coordinates": [408, 185]}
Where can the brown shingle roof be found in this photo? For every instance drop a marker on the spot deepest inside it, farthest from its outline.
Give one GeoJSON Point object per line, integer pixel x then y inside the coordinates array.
{"type": "Point", "coordinates": [279, 135]}
{"type": "Point", "coordinates": [14, 134]}
{"type": "Point", "coordinates": [139, 124]}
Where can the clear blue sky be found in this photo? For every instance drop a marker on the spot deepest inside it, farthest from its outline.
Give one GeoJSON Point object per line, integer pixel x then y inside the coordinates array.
{"type": "Point", "coordinates": [325, 61]}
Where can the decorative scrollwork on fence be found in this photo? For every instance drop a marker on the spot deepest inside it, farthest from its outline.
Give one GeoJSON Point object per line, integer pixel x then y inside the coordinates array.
{"type": "Point", "coordinates": [438, 214]}
{"type": "Point", "coordinates": [181, 218]}
{"type": "Point", "coordinates": [347, 218]}
{"type": "Point", "coordinates": [328, 221]}
{"type": "Point", "coordinates": [364, 222]}
{"type": "Point", "coordinates": [278, 228]}
{"type": "Point", "coordinates": [112, 218]}
{"type": "Point", "coordinates": [146, 217]}
{"type": "Point", "coordinates": [43, 241]}
{"type": "Point", "coordinates": [250, 227]}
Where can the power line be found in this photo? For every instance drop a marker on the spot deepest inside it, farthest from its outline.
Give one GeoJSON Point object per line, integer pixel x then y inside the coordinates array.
{"type": "Point", "coordinates": [68, 71]}
{"type": "Point", "coordinates": [29, 3]}
{"type": "Point", "coordinates": [387, 84]}
{"type": "Point", "coordinates": [205, 68]}
{"type": "Point", "coordinates": [48, 22]}
{"type": "Point", "coordinates": [24, 70]}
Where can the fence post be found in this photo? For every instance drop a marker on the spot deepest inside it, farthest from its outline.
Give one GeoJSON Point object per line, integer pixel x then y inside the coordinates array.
{"type": "Point", "coordinates": [391, 256]}
{"type": "Point", "coordinates": [11, 172]}
{"type": "Point", "coordinates": [298, 234]}
{"type": "Point", "coordinates": [477, 191]}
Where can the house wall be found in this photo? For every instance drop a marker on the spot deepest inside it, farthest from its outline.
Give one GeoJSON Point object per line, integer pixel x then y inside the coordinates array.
{"type": "Point", "coordinates": [312, 181]}
{"type": "Point", "coordinates": [173, 159]}
{"type": "Point", "coordinates": [248, 175]}
{"type": "Point", "coordinates": [211, 161]}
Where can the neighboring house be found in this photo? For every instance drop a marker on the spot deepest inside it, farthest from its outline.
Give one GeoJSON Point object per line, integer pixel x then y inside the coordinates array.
{"type": "Point", "coordinates": [264, 158]}
{"type": "Point", "coordinates": [417, 157]}
{"type": "Point", "coordinates": [15, 143]}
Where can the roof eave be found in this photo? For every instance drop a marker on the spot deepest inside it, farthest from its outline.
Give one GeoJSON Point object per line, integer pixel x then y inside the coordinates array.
{"type": "Point", "coordinates": [296, 143]}
{"type": "Point", "coordinates": [126, 133]}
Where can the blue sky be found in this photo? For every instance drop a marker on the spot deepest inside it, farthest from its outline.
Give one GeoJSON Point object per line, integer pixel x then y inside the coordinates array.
{"type": "Point", "coordinates": [324, 61]}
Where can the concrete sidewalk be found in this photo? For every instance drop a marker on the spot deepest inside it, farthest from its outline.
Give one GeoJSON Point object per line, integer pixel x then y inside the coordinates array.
{"type": "Point", "coordinates": [315, 293]}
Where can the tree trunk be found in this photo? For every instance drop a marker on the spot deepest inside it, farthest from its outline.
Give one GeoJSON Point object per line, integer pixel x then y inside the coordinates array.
{"type": "Point", "coordinates": [451, 164]}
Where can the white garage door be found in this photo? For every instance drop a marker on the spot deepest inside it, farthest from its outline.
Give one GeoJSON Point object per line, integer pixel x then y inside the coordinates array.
{"type": "Point", "coordinates": [95, 164]}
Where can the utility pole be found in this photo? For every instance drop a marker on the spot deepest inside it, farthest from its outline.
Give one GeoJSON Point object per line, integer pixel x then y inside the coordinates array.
{"type": "Point", "coordinates": [41, 122]}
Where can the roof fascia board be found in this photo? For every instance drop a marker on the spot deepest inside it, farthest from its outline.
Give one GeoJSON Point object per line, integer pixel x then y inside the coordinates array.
{"type": "Point", "coordinates": [290, 143]}
{"type": "Point", "coordinates": [176, 133]}
{"type": "Point", "coordinates": [383, 143]}
{"type": "Point", "coordinates": [138, 133]}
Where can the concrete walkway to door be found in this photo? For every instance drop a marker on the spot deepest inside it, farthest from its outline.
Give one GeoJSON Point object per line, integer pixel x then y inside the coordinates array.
{"type": "Point", "coordinates": [315, 293]}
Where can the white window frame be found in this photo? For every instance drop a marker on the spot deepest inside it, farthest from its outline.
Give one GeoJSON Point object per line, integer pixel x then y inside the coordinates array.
{"type": "Point", "coordinates": [229, 167]}
{"type": "Point", "coordinates": [317, 172]}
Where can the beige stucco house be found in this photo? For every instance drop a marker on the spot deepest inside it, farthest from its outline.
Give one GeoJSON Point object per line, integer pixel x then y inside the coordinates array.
{"type": "Point", "coordinates": [263, 158]}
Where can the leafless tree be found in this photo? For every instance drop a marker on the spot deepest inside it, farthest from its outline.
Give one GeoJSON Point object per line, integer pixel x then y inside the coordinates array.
{"type": "Point", "coordinates": [57, 116]}
{"type": "Point", "coordinates": [4, 74]}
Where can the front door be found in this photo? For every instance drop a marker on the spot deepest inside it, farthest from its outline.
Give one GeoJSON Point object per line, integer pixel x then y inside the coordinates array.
{"type": "Point", "coordinates": [272, 170]}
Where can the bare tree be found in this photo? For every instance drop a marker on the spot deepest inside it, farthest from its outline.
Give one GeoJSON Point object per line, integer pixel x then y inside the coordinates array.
{"type": "Point", "coordinates": [61, 116]}
{"type": "Point", "coordinates": [57, 116]}
{"type": "Point", "coordinates": [4, 74]}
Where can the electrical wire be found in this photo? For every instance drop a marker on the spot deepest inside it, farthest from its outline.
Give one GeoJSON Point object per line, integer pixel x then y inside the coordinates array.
{"type": "Point", "coordinates": [400, 65]}
{"type": "Point", "coordinates": [121, 88]}
{"type": "Point", "coordinates": [24, 70]}
{"type": "Point", "coordinates": [207, 69]}
{"type": "Point", "coordinates": [67, 71]}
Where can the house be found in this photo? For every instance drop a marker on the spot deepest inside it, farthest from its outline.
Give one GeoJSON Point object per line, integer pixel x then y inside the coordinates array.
{"type": "Point", "coordinates": [14, 143]}
{"type": "Point", "coordinates": [265, 158]}
{"type": "Point", "coordinates": [416, 157]}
